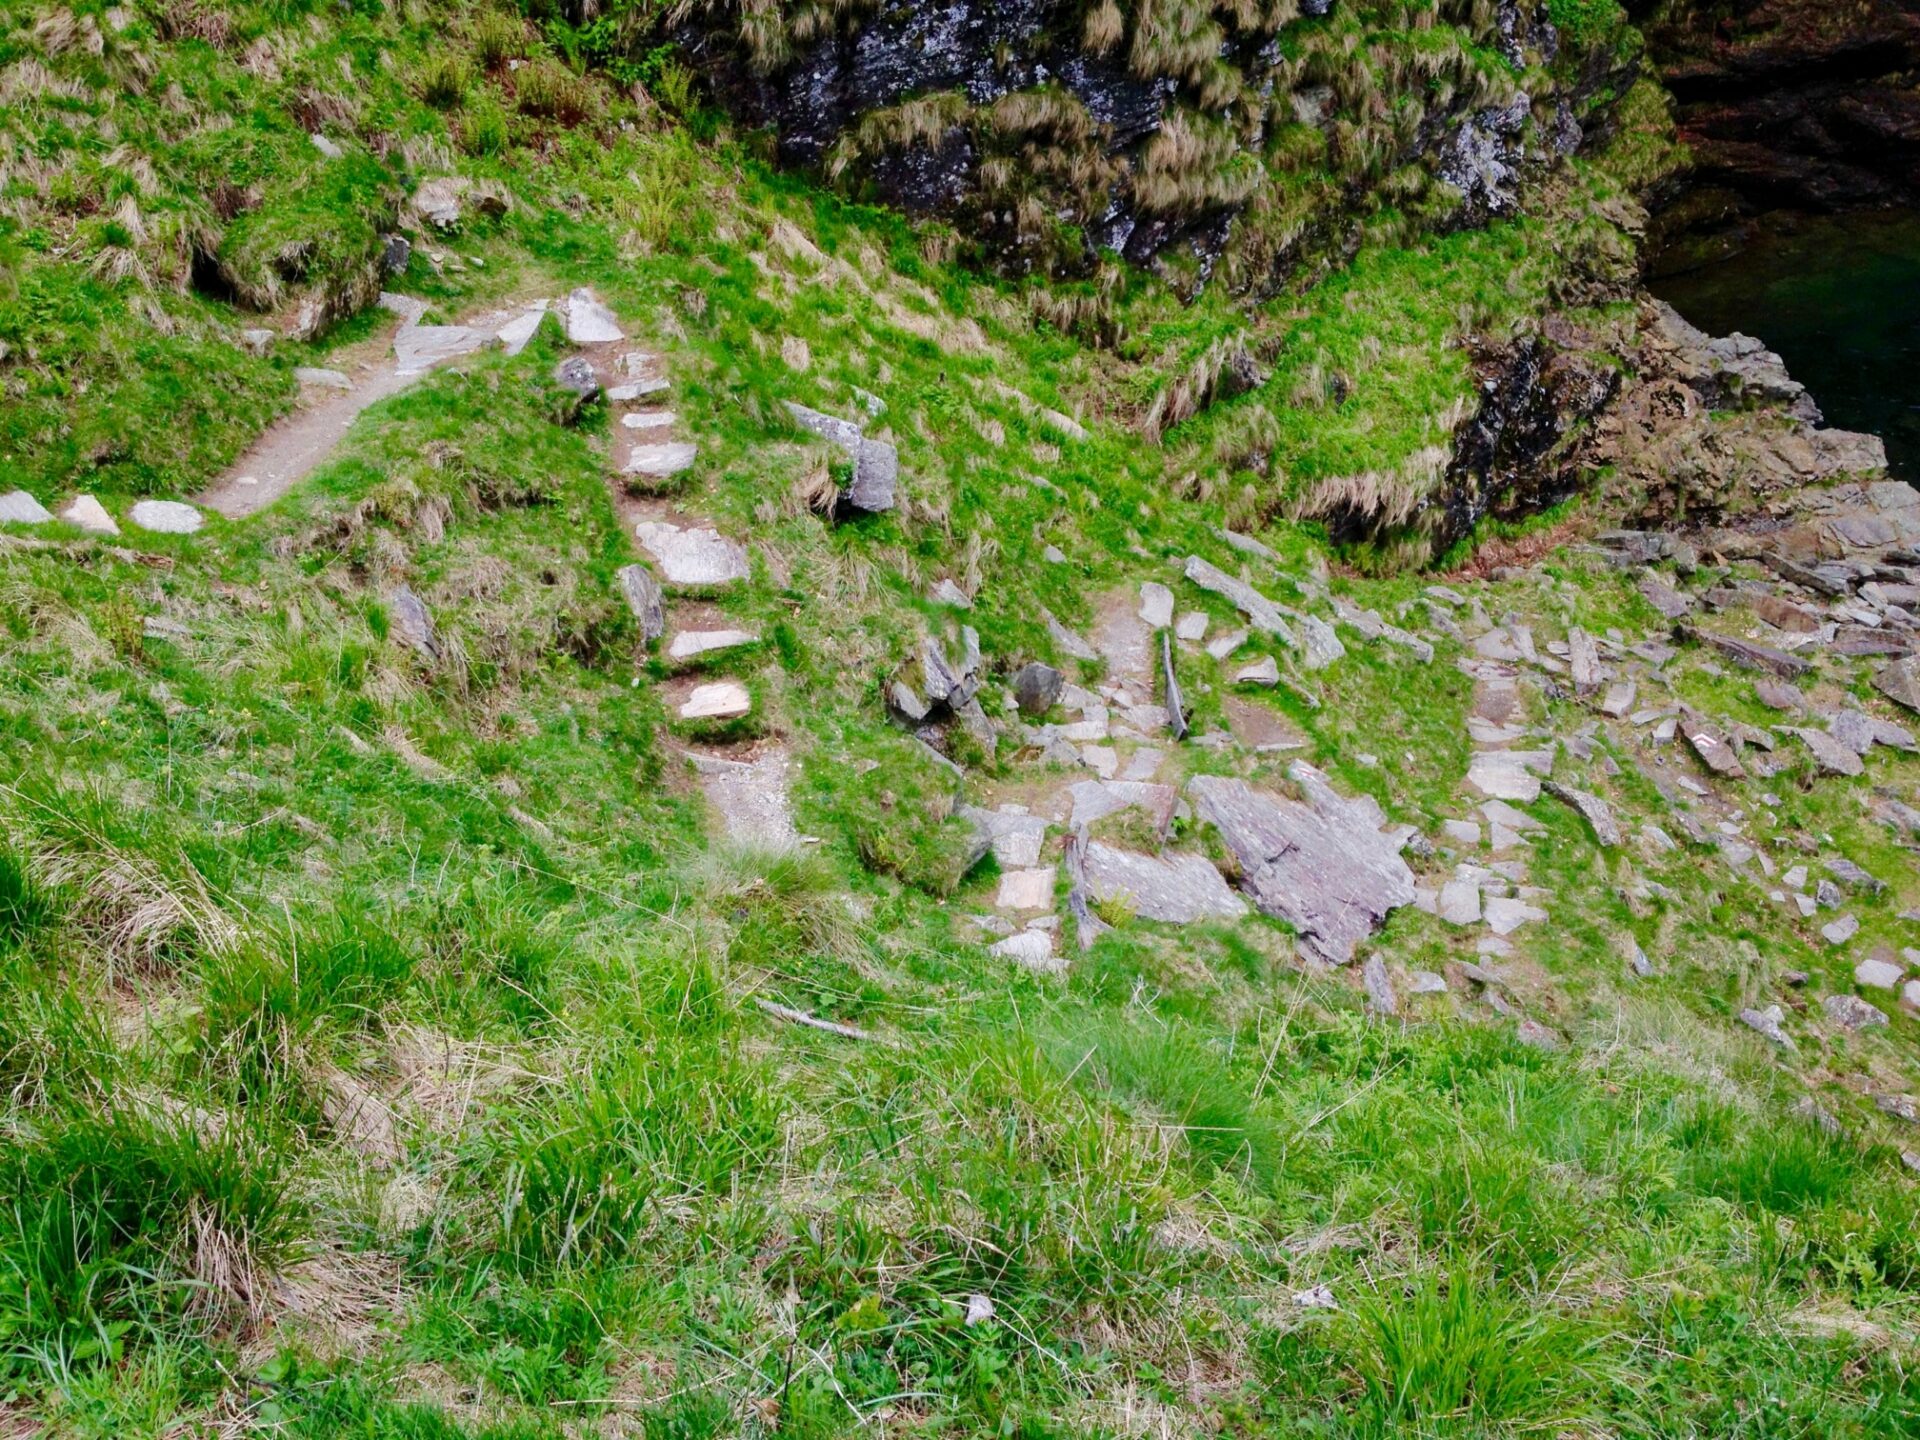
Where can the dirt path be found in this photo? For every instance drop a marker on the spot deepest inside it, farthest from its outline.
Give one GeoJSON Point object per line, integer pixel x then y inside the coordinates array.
{"type": "Point", "coordinates": [287, 452]}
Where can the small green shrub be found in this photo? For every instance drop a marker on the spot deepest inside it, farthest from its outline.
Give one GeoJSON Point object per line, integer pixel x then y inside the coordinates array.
{"type": "Point", "coordinates": [444, 81]}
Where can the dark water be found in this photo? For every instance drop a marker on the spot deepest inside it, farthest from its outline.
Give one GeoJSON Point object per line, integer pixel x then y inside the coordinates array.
{"type": "Point", "coordinates": [1839, 298]}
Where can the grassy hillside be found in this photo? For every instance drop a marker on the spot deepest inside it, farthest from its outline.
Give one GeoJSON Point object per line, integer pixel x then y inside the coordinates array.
{"type": "Point", "coordinates": [382, 1039]}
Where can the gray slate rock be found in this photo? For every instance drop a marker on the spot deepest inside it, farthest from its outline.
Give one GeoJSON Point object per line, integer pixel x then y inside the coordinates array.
{"type": "Point", "coordinates": [1036, 689]}
{"type": "Point", "coordinates": [1324, 866]}
{"type": "Point", "coordinates": [166, 517]}
{"type": "Point", "coordinates": [1258, 609]}
{"type": "Point", "coordinates": [1605, 829]}
{"type": "Point", "coordinates": [17, 507]}
{"type": "Point", "coordinates": [1899, 681]}
{"type": "Point", "coordinates": [644, 598]}
{"type": "Point", "coordinates": [413, 623]}
{"type": "Point", "coordinates": [1850, 1012]}
{"type": "Point", "coordinates": [1176, 889]}
{"type": "Point", "coordinates": [575, 375]}
{"type": "Point", "coordinates": [1767, 1023]}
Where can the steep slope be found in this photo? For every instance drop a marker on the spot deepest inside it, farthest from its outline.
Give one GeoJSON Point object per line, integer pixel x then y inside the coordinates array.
{"type": "Point", "coordinates": [746, 854]}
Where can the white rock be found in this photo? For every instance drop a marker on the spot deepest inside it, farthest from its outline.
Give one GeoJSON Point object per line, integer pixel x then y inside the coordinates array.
{"type": "Point", "coordinates": [1463, 832]}
{"type": "Point", "coordinates": [1192, 626]}
{"type": "Point", "coordinates": [688, 643]}
{"type": "Point", "coordinates": [660, 461]}
{"type": "Point", "coordinates": [1103, 760]}
{"type": "Point", "coordinates": [1031, 949]}
{"type": "Point", "coordinates": [319, 378]}
{"type": "Point", "coordinates": [723, 700]}
{"type": "Point", "coordinates": [1156, 605]}
{"type": "Point", "coordinates": [325, 146]}
{"type": "Point", "coordinates": [589, 322]}
{"type": "Point", "coordinates": [1224, 645]}
{"type": "Point", "coordinates": [1459, 902]}
{"type": "Point", "coordinates": [647, 420]}
{"type": "Point", "coordinates": [1426, 982]}
{"type": "Point", "coordinates": [1871, 974]}
{"type": "Point", "coordinates": [1027, 889]}
{"type": "Point", "coordinates": [515, 335]}
{"type": "Point", "coordinates": [1264, 671]}
{"type": "Point", "coordinates": [1320, 1297]}
{"type": "Point", "coordinates": [1499, 776]}
{"type": "Point", "coordinates": [693, 556]}
{"type": "Point", "coordinates": [945, 592]}
{"type": "Point", "coordinates": [979, 1309]}
{"type": "Point", "coordinates": [90, 515]}
{"type": "Point", "coordinates": [1505, 916]}
{"type": "Point", "coordinates": [1841, 930]}
{"type": "Point", "coordinates": [17, 507]}
{"type": "Point", "coordinates": [166, 517]}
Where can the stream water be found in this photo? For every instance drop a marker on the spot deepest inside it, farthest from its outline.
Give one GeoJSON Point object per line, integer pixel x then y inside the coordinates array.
{"type": "Point", "coordinates": [1838, 297]}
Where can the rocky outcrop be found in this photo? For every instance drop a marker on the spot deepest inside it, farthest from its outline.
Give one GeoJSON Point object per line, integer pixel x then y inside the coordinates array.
{"type": "Point", "coordinates": [1173, 132]}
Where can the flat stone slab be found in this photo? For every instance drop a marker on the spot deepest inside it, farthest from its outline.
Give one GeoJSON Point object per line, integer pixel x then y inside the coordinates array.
{"type": "Point", "coordinates": [689, 643]}
{"type": "Point", "coordinates": [1027, 889]}
{"type": "Point", "coordinates": [634, 390]}
{"type": "Point", "coordinates": [1592, 808]}
{"type": "Point", "coordinates": [1156, 605]}
{"type": "Point", "coordinates": [90, 515]}
{"type": "Point", "coordinates": [1174, 889]}
{"type": "Point", "coordinates": [1325, 866]}
{"type": "Point", "coordinates": [1258, 609]}
{"type": "Point", "coordinates": [517, 333]}
{"type": "Point", "coordinates": [1877, 974]}
{"type": "Point", "coordinates": [693, 556]}
{"type": "Point", "coordinates": [647, 420]}
{"type": "Point", "coordinates": [1031, 950]}
{"type": "Point", "coordinates": [1191, 627]}
{"type": "Point", "coordinates": [722, 700]}
{"type": "Point", "coordinates": [752, 796]}
{"type": "Point", "coordinates": [1459, 902]}
{"type": "Point", "coordinates": [1498, 775]}
{"type": "Point", "coordinates": [1094, 800]}
{"type": "Point", "coordinates": [1829, 754]}
{"type": "Point", "coordinates": [1504, 915]}
{"type": "Point", "coordinates": [17, 507]}
{"type": "Point", "coordinates": [1016, 838]}
{"type": "Point", "coordinates": [420, 347]}
{"type": "Point", "coordinates": [318, 378]}
{"type": "Point", "coordinates": [661, 460]}
{"type": "Point", "coordinates": [1220, 647]}
{"type": "Point", "coordinates": [166, 517]}
{"type": "Point", "coordinates": [589, 322]}
{"type": "Point", "coordinates": [1264, 671]}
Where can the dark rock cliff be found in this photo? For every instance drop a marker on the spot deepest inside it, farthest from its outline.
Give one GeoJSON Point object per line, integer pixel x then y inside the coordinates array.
{"type": "Point", "coordinates": [1812, 104]}
{"type": "Point", "coordinates": [1228, 140]}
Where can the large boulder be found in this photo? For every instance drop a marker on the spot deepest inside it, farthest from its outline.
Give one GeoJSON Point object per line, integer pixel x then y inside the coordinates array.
{"type": "Point", "coordinates": [1323, 864]}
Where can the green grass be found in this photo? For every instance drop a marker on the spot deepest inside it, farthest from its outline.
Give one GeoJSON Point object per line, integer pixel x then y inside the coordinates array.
{"type": "Point", "coordinates": [419, 994]}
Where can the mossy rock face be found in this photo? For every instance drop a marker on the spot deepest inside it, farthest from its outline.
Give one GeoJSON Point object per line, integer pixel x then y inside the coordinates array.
{"type": "Point", "coordinates": [1050, 133]}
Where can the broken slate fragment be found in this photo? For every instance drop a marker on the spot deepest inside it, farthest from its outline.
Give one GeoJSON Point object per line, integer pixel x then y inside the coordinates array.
{"type": "Point", "coordinates": [1247, 600]}
{"type": "Point", "coordinates": [1176, 889]}
{"type": "Point", "coordinates": [166, 517]}
{"type": "Point", "coordinates": [1829, 754]}
{"type": "Point", "coordinates": [1324, 866]}
{"type": "Point", "coordinates": [723, 700]}
{"type": "Point", "coordinates": [17, 507]}
{"type": "Point", "coordinates": [412, 623]}
{"type": "Point", "coordinates": [1850, 1012]}
{"type": "Point", "coordinates": [693, 556]}
{"type": "Point", "coordinates": [643, 597]}
{"type": "Point", "coordinates": [1767, 1023]}
{"type": "Point", "coordinates": [1605, 829]}
{"type": "Point", "coordinates": [589, 322]}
